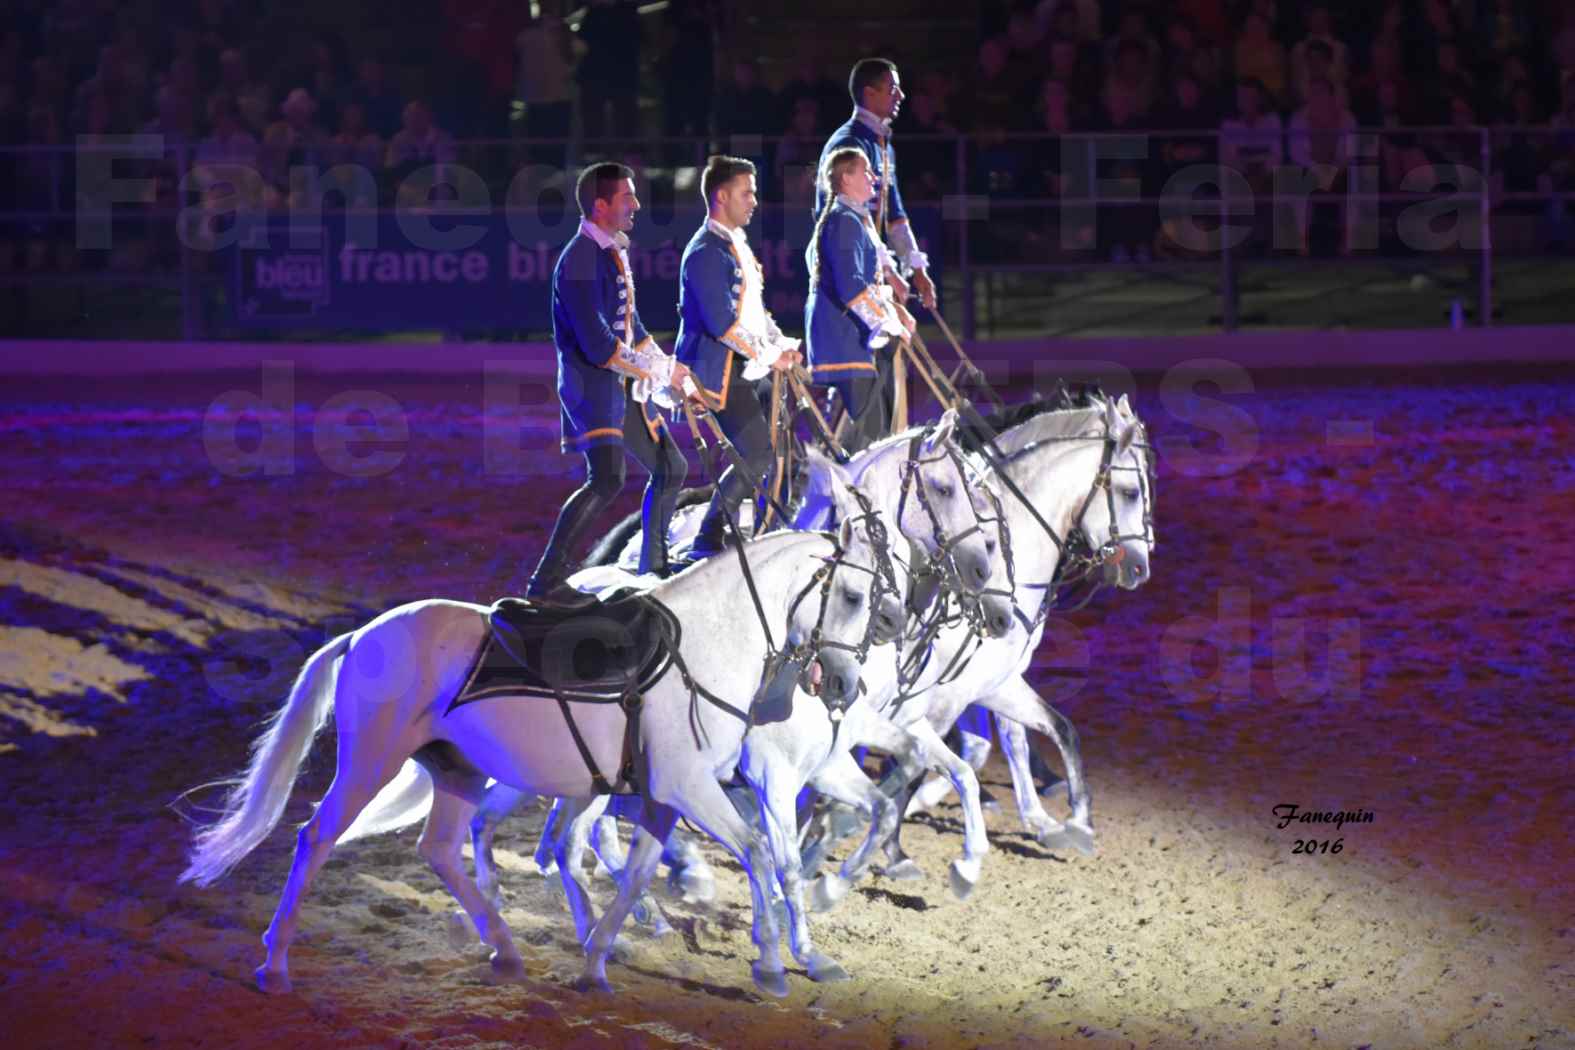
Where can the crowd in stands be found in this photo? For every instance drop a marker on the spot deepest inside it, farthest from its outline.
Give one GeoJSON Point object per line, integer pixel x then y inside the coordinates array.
{"type": "Point", "coordinates": [1256, 84]}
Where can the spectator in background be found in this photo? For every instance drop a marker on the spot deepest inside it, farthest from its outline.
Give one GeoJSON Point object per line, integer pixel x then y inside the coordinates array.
{"type": "Point", "coordinates": [1133, 78]}
{"type": "Point", "coordinates": [1261, 58]}
{"type": "Point", "coordinates": [1319, 140]}
{"type": "Point", "coordinates": [228, 141]}
{"type": "Point", "coordinates": [218, 25]}
{"type": "Point", "coordinates": [1025, 38]}
{"type": "Point", "coordinates": [1186, 144]}
{"type": "Point", "coordinates": [1318, 61]}
{"type": "Point", "coordinates": [419, 142]}
{"type": "Point", "coordinates": [1449, 81]}
{"type": "Point", "coordinates": [253, 98]}
{"type": "Point", "coordinates": [748, 109]}
{"type": "Point", "coordinates": [1208, 69]}
{"type": "Point", "coordinates": [993, 102]}
{"type": "Point", "coordinates": [548, 53]}
{"type": "Point", "coordinates": [296, 140]}
{"type": "Point", "coordinates": [43, 184]}
{"type": "Point", "coordinates": [1080, 19]}
{"type": "Point", "coordinates": [1503, 27]}
{"type": "Point", "coordinates": [1132, 30]}
{"type": "Point", "coordinates": [1439, 24]}
{"type": "Point", "coordinates": [325, 79]}
{"type": "Point", "coordinates": [610, 71]}
{"type": "Point", "coordinates": [1126, 231]}
{"type": "Point", "coordinates": [809, 80]}
{"type": "Point", "coordinates": [382, 103]}
{"type": "Point", "coordinates": [1058, 168]}
{"type": "Point", "coordinates": [355, 143]}
{"type": "Point", "coordinates": [1069, 66]}
{"type": "Point", "coordinates": [1332, 60]}
{"type": "Point", "coordinates": [929, 168]}
{"type": "Point", "coordinates": [1251, 142]}
{"type": "Point", "coordinates": [798, 150]}
{"type": "Point", "coordinates": [690, 97]}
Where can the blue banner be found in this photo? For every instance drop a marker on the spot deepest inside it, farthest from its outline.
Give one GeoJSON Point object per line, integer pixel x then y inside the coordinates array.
{"type": "Point", "coordinates": [456, 270]}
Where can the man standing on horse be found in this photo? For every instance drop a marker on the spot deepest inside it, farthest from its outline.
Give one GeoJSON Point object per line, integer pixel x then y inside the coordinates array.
{"type": "Point", "coordinates": [726, 336]}
{"type": "Point", "coordinates": [877, 97]}
{"type": "Point", "coordinates": [851, 315]}
{"type": "Point", "coordinates": [611, 379]}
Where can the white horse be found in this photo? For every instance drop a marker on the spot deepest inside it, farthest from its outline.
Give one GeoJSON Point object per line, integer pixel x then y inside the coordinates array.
{"type": "Point", "coordinates": [392, 687]}
{"type": "Point", "coordinates": [918, 483]}
{"type": "Point", "coordinates": [1081, 471]}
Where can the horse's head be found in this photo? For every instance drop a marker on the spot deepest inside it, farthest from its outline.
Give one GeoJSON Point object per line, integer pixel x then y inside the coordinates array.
{"type": "Point", "coordinates": [997, 600]}
{"type": "Point", "coordinates": [852, 603]}
{"type": "Point", "coordinates": [1117, 517]}
{"type": "Point", "coordinates": [935, 508]}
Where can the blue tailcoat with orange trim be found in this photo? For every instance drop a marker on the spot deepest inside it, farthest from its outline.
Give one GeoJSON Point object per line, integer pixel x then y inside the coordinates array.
{"type": "Point", "coordinates": [842, 308]}
{"type": "Point", "coordinates": [711, 287]}
{"type": "Point", "coordinates": [592, 311]}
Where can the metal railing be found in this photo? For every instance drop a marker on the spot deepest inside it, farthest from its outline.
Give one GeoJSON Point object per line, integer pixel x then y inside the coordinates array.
{"type": "Point", "coordinates": [136, 210]}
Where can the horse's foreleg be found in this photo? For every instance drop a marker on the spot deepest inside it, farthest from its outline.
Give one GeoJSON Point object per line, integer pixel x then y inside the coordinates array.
{"type": "Point", "coordinates": [644, 855]}
{"type": "Point", "coordinates": [1016, 700]}
{"type": "Point", "coordinates": [976, 842]}
{"type": "Point", "coordinates": [776, 787]}
{"type": "Point", "coordinates": [498, 803]}
{"type": "Point", "coordinates": [575, 817]}
{"type": "Point", "coordinates": [1030, 809]}
{"type": "Point", "coordinates": [842, 779]}
{"type": "Point", "coordinates": [609, 851]}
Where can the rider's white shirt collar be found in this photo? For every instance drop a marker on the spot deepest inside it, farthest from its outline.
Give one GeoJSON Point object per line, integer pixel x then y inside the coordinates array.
{"type": "Point", "coordinates": [876, 124]}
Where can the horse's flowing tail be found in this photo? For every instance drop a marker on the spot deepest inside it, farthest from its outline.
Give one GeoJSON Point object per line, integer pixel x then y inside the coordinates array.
{"type": "Point", "coordinates": [403, 801]}
{"type": "Point", "coordinates": [256, 800]}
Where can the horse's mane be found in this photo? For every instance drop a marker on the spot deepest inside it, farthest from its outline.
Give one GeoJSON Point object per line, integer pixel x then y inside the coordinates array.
{"type": "Point", "coordinates": [1064, 398]}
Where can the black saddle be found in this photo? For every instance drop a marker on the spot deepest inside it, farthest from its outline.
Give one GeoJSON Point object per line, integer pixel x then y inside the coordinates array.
{"type": "Point", "coordinates": [609, 651]}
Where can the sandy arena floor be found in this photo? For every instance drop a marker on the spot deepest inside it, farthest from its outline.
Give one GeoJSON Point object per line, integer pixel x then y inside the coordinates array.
{"type": "Point", "coordinates": [1416, 530]}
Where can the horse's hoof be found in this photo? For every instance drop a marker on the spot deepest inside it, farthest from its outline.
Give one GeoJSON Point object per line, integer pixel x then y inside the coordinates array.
{"type": "Point", "coordinates": [824, 968]}
{"type": "Point", "coordinates": [622, 950]}
{"type": "Point", "coordinates": [771, 982]}
{"type": "Point", "coordinates": [962, 885]}
{"type": "Point", "coordinates": [660, 927]}
{"type": "Point", "coordinates": [461, 934]}
{"type": "Point", "coordinates": [273, 982]}
{"type": "Point", "coordinates": [696, 887]}
{"type": "Point", "coordinates": [592, 984]}
{"type": "Point", "coordinates": [905, 870]}
{"type": "Point", "coordinates": [826, 891]}
{"type": "Point", "coordinates": [507, 969]}
{"type": "Point", "coordinates": [1070, 836]}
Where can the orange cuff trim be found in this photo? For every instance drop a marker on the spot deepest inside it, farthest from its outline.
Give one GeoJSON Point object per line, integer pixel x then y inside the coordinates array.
{"type": "Point", "coordinates": [591, 435]}
{"type": "Point", "coordinates": [847, 367]}
{"type": "Point", "coordinates": [735, 341]}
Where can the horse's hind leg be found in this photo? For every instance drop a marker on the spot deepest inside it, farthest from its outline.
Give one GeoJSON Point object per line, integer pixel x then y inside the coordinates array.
{"type": "Point", "coordinates": [440, 845]}
{"type": "Point", "coordinates": [356, 781]}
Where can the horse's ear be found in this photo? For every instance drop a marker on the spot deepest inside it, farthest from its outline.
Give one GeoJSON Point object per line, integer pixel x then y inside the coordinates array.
{"type": "Point", "coordinates": [845, 532]}
{"type": "Point", "coordinates": [942, 431]}
{"type": "Point", "coordinates": [840, 482]}
{"type": "Point", "coordinates": [1112, 419]}
{"type": "Point", "coordinates": [1123, 408]}
{"type": "Point", "coordinates": [1128, 434]}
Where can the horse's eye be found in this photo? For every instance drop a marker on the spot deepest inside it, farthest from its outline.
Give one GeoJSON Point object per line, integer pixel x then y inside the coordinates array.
{"type": "Point", "coordinates": [852, 597]}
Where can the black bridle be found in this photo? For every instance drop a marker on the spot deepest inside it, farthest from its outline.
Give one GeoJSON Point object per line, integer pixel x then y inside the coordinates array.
{"type": "Point", "coordinates": [1080, 561]}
